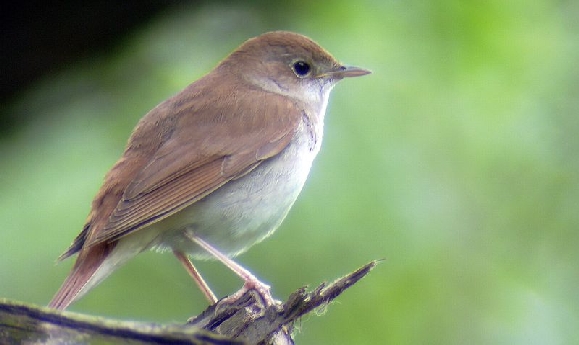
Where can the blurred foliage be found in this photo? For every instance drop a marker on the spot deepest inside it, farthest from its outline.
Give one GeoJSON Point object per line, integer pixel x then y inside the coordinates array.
{"type": "Point", "coordinates": [456, 161]}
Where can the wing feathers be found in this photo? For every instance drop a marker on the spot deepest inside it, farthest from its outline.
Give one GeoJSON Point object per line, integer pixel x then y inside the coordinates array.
{"type": "Point", "coordinates": [156, 204]}
{"type": "Point", "coordinates": [202, 154]}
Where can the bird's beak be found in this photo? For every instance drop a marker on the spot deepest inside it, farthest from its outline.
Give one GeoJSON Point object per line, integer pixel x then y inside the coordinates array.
{"type": "Point", "coordinates": [344, 72]}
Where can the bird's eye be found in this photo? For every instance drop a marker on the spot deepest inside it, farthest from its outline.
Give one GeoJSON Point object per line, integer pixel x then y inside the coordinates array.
{"type": "Point", "coordinates": [301, 68]}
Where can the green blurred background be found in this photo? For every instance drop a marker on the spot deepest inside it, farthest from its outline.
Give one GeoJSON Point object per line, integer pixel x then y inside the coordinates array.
{"type": "Point", "coordinates": [457, 161]}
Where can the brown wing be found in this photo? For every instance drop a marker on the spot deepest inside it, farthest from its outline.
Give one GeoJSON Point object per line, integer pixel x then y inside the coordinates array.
{"type": "Point", "coordinates": [209, 145]}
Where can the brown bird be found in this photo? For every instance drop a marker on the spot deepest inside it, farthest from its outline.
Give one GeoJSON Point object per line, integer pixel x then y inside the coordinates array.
{"type": "Point", "coordinates": [214, 169]}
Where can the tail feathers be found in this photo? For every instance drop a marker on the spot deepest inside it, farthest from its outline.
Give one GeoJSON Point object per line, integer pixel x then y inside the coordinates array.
{"type": "Point", "coordinates": [83, 276]}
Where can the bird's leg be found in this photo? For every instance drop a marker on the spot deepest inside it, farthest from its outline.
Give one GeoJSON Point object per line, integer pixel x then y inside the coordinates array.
{"type": "Point", "coordinates": [250, 281]}
{"type": "Point", "coordinates": [196, 276]}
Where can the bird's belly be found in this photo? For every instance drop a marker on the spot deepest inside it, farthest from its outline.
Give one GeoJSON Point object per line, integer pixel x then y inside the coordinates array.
{"type": "Point", "coordinates": [243, 211]}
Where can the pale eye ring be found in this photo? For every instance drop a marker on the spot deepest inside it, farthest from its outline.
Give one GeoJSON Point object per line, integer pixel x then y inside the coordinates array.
{"type": "Point", "coordinates": [301, 68]}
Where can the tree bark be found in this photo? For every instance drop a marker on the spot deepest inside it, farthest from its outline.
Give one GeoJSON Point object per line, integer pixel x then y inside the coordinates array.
{"type": "Point", "coordinates": [243, 321]}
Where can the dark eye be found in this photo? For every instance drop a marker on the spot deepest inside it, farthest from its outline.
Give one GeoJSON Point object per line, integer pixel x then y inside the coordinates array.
{"type": "Point", "coordinates": [301, 68]}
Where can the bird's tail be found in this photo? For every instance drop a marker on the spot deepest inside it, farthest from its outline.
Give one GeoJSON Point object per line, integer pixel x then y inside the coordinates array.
{"type": "Point", "coordinates": [87, 272]}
